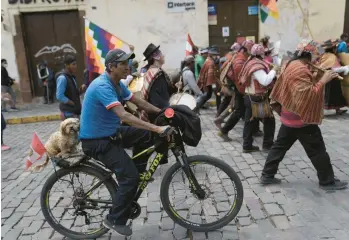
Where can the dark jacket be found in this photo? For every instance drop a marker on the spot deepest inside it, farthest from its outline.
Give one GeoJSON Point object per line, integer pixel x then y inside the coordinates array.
{"type": "Point", "coordinates": [71, 92]}
{"type": "Point", "coordinates": [160, 93]}
{"type": "Point", "coordinates": [188, 122]}
{"type": "Point", "coordinates": [6, 80]}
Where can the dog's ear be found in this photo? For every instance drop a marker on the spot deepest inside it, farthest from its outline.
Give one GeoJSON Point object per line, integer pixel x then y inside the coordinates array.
{"type": "Point", "coordinates": [63, 127]}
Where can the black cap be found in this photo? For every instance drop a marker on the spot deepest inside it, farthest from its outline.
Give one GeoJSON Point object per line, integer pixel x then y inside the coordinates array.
{"type": "Point", "coordinates": [118, 55]}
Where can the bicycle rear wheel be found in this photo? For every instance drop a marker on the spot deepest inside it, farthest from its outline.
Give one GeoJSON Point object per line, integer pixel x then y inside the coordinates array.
{"type": "Point", "coordinates": [69, 221]}
{"type": "Point", "coordinates": [225, 187]}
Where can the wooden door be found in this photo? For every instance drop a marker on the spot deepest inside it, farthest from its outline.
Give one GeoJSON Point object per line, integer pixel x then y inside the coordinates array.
{"type": "Point", "coordinates": [48, 37]}
{"type": "Point", "coordinates": [346, 18]}
{"type": "Point", "coordinates": [233, 14]}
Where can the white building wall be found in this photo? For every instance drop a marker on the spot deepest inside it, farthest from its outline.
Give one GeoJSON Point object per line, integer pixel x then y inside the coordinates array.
{"type": "Point", "coordinates": [140, 22]}
{"type": "Point", "coordinates": [325, 19]}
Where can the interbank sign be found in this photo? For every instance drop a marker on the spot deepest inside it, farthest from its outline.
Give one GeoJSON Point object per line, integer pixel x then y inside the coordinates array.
{"type": "Point", "coordinates": [180, 5]}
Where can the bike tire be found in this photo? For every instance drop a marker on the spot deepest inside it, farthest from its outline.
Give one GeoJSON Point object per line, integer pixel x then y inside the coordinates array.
{"type": "Point", "coordinates": [110, 185]}
{"type": "Point", "coordinates": [165, 186]}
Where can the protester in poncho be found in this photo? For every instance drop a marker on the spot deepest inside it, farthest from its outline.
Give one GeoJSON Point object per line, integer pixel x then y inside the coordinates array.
{"type": "Point", "coordinates": [257, 78]}
{"type": "Point", "coordinates": [200, 59]}
{"type": "Point", "coordinates": [157, 87]}
{"type": "Point", "coordinates": [227, 85]}
{"type": "Point", "coordinates": [231, 75]}
{"type": "Point", "coordinates": [301, 100]}
{"type": "Point", "coordinates": [334, 98]}
{"type": "Point", "coordinates": [207, 78]}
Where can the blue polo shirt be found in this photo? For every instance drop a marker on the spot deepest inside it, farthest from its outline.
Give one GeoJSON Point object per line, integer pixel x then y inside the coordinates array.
{"type": "Point", "coordinates": [97, 120]}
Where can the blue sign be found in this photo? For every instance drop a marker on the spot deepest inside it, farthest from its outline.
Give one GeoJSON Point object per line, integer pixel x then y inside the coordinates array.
{"type": "Point", "coordinates": [253, 10]}
{"type": "Point", "coordinates": [212, 9]}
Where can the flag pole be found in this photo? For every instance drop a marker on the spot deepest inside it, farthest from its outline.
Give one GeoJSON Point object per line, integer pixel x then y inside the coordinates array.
{"type": "Point", "coordinates": [306, 22]}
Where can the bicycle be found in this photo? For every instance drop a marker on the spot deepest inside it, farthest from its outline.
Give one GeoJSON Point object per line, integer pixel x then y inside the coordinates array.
{"type": "Point", "coordinates": [82, 201]}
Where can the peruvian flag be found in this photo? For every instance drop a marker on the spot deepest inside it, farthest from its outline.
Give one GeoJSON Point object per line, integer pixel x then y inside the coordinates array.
{"type": "Point", "coordinates": [189, 47]}
{"type": "Point", "coordinates": [37, 150]}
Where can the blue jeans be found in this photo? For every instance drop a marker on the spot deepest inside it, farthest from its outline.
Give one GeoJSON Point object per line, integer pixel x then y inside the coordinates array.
{"type": "Point", "coordinates": [113, 155]}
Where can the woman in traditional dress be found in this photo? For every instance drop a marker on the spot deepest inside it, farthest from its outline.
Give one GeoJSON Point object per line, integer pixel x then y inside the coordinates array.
{"type": "Point", "coordinates": [334, 98]}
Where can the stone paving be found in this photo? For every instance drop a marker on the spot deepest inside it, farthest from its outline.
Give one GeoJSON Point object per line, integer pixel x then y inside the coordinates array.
{"type": "Point", "coordinates": [295, 210]}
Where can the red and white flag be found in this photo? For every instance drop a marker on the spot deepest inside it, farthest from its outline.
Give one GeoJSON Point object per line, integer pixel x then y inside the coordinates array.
{"type": "Point", "coordinates": [189, 47]}
{"type": "Point", "coordinates": [37, 150]}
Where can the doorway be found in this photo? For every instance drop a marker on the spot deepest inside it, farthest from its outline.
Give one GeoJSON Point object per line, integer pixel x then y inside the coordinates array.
{"type": "Point", "coordinates": [48, 36]}
{"type": "Point", "coordinates": [346, 18]}
{"type": "Point", "coordinates": [238, 18]}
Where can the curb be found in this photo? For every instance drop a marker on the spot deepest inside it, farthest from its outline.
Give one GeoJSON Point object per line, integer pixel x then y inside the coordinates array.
{"type": "Point", "coordinates": [54, 117]}
{"type": "Point", "coordinates": [212, 103]}
{"type": "Point", "coordinates": [33, 119]}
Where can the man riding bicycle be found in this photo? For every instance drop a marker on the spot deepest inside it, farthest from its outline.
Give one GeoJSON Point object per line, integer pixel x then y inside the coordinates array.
{"type": "Point", "coordinates": [104, 139]}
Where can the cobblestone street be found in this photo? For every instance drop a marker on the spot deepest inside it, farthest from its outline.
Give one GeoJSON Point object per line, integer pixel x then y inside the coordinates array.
{"type": "Point", "coordinates": [295, 210]}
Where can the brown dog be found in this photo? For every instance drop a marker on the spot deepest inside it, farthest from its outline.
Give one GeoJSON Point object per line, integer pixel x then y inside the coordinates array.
{"type": "Point", "coordinates": [62, 143]}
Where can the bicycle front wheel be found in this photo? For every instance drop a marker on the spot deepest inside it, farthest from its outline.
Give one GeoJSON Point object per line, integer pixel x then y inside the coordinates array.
{"type": "Point", "coordinates": [223, 194]}
{"type": "Point", "coordinates": [65, 209]}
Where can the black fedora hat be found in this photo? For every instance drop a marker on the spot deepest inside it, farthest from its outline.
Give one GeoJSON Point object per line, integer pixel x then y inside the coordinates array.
{"type": "Point", "coordinates": [150, 50]}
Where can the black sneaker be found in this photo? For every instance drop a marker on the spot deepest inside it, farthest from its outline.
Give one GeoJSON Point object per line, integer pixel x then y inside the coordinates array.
{"type": "Point", "coordinates": [267, 148]}
{"type": "Point", "coordinates": [122, 230]}
{"type": "Point", "coordinates": [336, 185]}
{"type": "Point", "coordinates": [268, 180]}
{"type": "Point", "coordinates": [249, 150]}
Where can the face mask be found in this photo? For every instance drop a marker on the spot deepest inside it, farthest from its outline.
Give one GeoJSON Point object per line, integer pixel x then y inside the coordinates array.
{"type": "Point", "coordinates": [4, 65]}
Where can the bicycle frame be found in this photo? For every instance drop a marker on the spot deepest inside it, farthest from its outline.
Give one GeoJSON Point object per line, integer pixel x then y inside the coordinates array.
{"type": "Point", "coordinates": [178, 151]}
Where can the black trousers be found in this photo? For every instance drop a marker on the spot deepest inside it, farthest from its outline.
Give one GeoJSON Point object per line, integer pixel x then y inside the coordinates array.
{"type": "Point", "coordinates": [50, 94]}
{"type": "Point", "coordinates": [234, 118]}
{"type": "Point", "coordinates": [113, 155]}
{"type": "Point", "coordinates": [204, 98]}
{"type": "Point", "coordinates": [218, 98]}
{"type": "Point", "coordinates": [311, 139]}
{"type": "Point", "coordinates": [251, 125]}
{"type": "Point", "coordinates": [223, 105]}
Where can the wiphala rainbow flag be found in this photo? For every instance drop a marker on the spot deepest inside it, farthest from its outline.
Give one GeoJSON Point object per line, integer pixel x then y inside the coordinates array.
{"type": "Point", "coordinates": [98, 43]}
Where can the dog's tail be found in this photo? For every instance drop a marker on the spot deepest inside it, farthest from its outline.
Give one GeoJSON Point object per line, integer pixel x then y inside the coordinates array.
{"type": "Point", "coordinates": [40, 167]}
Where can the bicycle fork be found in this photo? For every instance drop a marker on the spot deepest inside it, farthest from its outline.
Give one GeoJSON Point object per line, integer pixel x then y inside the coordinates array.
{"type": "Point", "coordinates": [194, 184]}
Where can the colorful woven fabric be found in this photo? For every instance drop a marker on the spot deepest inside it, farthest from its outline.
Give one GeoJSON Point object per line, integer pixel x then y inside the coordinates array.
{"type": "Point", "coordinates": [268, 8]}
{"type": "Point", "coordinates": [249, 68]}
{"type": "Point", "coordinates": [207, 74]}
{"type": "Point", "coordinates": [98, 43]}
{"type": "Point", "coordinates": [297, 93]}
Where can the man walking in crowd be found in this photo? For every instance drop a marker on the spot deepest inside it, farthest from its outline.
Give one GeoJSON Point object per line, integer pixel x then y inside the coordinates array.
{"type": "Point", "coordinates": [6, 86]}
{"type": "Point", "coordinates": [104, 139]}
{"type": "Point", "coordinates": [157, 87]}
{"type": "Point", "coordinates": [232, 76]}
{"type": "Point", "coordinates": [256, 77]}
{"type": "Point", "coordinates": [189, 81]}
{"type": "Point", "coordinates": [207, 78]}
{"type": "Point", "coordinates": [228, 86]}
{"type": "Point", "coordinates": [301, 103]}
{"type": "Point", "coordinates": [199, 61]}
{"type": "Point", "coordinates": [5, 97]}
{"type": "Point", "coordinates": [67, 89]}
